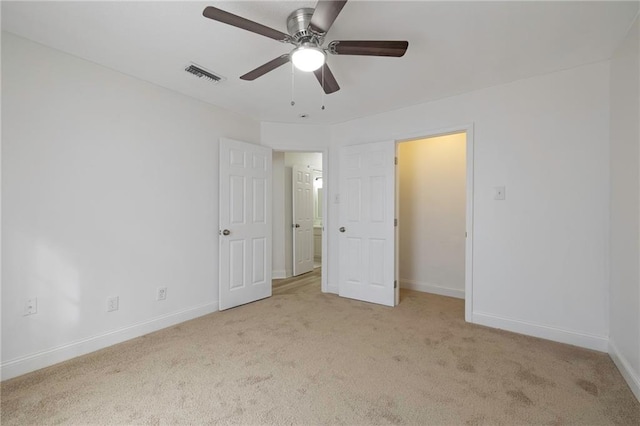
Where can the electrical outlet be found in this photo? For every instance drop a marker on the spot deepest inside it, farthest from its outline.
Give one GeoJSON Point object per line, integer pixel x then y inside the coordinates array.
{"type": "Point", "coordinates": [112, 304]}
{"type": "Point", "coordinates": [162, 293]}
{"type": "Point", "coordinates": [31, 307]}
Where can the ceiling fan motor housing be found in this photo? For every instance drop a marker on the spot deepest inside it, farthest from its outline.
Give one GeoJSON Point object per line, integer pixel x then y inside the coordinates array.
{"type": "Point", "coordinates": [298, 26]}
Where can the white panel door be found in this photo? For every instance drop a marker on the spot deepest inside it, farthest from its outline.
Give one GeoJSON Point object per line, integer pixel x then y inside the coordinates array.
{"type": "Point", "coordinates": [367, 205]}
{"type": "Point", "coordinates": [245, 223]}
{"type": "Point", "coordinates": [302, 184]}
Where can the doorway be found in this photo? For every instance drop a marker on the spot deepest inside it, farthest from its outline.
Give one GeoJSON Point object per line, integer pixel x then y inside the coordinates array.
{"type": "Point", "coordinates": [432, 209]}
{"type": "Point", "coordinates": [298, 199]}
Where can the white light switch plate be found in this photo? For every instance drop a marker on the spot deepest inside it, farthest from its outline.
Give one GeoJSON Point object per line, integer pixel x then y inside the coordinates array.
{"type": "Point", "coordinates": [499, 193]}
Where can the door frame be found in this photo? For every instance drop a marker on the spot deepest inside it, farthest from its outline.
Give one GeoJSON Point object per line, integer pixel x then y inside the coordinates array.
{"type": "Point", "coordinates": [468, 260]}
{"type": "Point", "coordinates": [324, 268]}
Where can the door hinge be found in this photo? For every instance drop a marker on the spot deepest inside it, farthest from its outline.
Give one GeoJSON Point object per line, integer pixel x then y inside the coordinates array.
{"type": "Point", "coordinates": [395, 161]}
{"type": "Point", "coordinates": [395, 284]}
{"type": "Point", "coordinates": [395, 222]}
{"type": "Point", "coordinates": [465, 234]}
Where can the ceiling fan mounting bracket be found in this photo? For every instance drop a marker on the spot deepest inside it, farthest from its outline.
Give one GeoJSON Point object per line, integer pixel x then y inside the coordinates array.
{"type": "Point", "coordinates": [299, 30]}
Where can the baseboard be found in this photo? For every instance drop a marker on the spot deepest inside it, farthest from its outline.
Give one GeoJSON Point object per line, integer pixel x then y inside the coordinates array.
{"type": "Point", "coordinates": [431, 288]}
{"type": "Point", "coordinates": [29, 363]}
{"type": "Point", "coordinates": [631, 376]}
{"type": "Point", "coordinates": [584, 340]}
{"type": "Point", "coordinates": [279, 274]}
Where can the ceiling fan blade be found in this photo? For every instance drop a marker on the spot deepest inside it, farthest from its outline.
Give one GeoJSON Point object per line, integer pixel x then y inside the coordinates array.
{"type": "Point", "coordinates": [243, 23]}
{"type": "Point", "coordinates": [330, 84]}
{"type": "Point", "coordinates": [263, 69]}
{"type": "Point", "coordinates": [369, 47]}
{"type": "Point", "coordinates": [326, 12]}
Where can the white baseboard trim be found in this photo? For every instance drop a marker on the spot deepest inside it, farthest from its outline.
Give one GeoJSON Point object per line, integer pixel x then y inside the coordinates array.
{"type": "Point", "coordinates": [584, 340]}
{"type": "Point", "coordinates": [36, 361]}
{"type": "Point", "coordinates": [279, 274]}
{"type": "Point", "coordinates": [431, 288]}
{"type": "Point", "coordinates": [632, 377]}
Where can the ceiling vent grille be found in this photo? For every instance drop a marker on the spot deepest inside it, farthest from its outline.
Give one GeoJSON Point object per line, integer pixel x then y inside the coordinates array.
{"type": "Point", "coordinates": [200, 72]}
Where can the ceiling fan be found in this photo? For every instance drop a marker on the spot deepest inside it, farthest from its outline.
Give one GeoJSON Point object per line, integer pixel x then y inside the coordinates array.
{"type": "Point", "coordinates": [307, 29]}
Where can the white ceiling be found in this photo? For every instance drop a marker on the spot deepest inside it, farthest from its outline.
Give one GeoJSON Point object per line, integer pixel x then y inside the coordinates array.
{"type": "Point", "coordinates": [454, 47]}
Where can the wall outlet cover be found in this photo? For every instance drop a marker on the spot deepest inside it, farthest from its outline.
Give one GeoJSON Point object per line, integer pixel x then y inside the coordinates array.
{"type": "Point", "coordinates": [113, 304]}
{"type": "Point", "coordinates": [162, 293]}
{"type": "Point", "coordinates": [31, 306]}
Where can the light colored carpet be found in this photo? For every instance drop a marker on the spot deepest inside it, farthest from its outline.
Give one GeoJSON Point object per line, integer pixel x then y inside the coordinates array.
{"type": "Point", "coordinates": [302, 357]}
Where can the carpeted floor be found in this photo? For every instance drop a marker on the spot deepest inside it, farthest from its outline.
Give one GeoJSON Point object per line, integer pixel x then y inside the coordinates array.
{"type": "Point", "coordinates": [302, 357]}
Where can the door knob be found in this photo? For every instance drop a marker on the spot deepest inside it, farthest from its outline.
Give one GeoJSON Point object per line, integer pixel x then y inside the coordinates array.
{"type": "Point", "coordinates": [297, 225]}
{"type": "Point", "coordinates": [342, 229]}
{"type": "Point", "coordinates": [226, 232]}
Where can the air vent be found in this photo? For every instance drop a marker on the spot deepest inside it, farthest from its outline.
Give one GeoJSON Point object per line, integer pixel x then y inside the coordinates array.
{"type": "Point", "coordinates": [200, 72]}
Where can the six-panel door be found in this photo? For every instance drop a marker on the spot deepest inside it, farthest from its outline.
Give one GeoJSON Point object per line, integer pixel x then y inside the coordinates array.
{"type": "Point", "coordinates": [245, 223]}
{"type": "Point", "coordinates": [366, 238]}
{"type": "Point", "coordinates": [302, 219]}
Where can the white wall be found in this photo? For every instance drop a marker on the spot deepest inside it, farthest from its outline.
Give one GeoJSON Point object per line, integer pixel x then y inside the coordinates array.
{"type": "Point", "coordinates": [109, 187]}
{"type": "Point", "coordinates": [540, 256]}
{"type": "Point", "coordinates": [295, 137]}
{"type": "Point", "coordinates": [624, 334]}
{"type": "Point", "coordinates": [311, 159]}
{"type": "Point", "coordinates": [432, 210]}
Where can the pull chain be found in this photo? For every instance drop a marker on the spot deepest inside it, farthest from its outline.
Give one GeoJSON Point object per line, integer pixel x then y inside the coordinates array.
{"type": "Point", "coordinates": [293, 74]}
{"type": "Point", "coordinates": [322, 88]}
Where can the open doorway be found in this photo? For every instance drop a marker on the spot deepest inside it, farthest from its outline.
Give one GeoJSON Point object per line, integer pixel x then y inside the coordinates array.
{"type": "Point", "coordinates": [298, 206]}
{"type": "Point", "coordinates": [432, 179]}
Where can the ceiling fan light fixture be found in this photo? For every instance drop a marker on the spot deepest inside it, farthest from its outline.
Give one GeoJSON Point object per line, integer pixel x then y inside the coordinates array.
{"type": "Point", "coordinates": [308, 58]}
